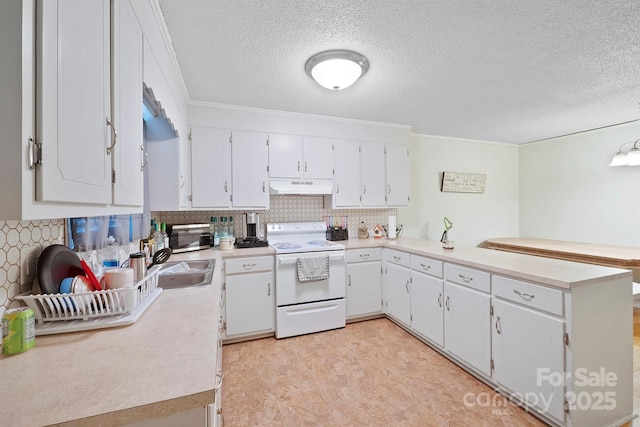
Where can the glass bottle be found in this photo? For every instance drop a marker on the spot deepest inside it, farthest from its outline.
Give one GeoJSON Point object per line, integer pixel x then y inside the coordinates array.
{"type": "Point", "coordinates": [151, 239]}
{"type": "Point", "coordinates": [224, 232]}
{"type": "Point", "coordinates": [110, 253]}
{"type": "Point", "coordinates": [165, 236]}
{"type": "Point", "coordinates": [157, 237]}
{"type": "Point", "coordinates": [230, 227]}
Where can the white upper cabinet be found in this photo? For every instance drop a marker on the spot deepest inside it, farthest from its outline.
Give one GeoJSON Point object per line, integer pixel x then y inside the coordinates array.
{"type": "Point", "coordinates": [249, 158]}
{"type": "Point", "coordinates": [397, 172]}
{"type": "Point", "coordinates": [285, 156]}
{"type": "Point", "coordinates": [210, 168]}
{"type": "Point", "coordinates": [128, 153]}
{"type": "Point", "coordinates": [74, 124]}
{"type": "Point", "coordinates": [373, 176]}
{"type": "Point", "coordinates": [297, 157]}
{"type": "Point", "coordinates": [346, 184]}
{"type": "Point", "coordinates": [318, 158]}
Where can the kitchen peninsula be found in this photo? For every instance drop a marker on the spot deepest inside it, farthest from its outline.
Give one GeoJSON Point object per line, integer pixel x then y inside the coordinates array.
{"type": "Point", "coordinates": [154, 367]}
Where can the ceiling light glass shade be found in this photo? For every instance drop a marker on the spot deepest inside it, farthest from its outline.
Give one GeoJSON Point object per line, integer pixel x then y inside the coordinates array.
{"type": "Point", "coordinates": [620, 159]}
{"type": "Point", "coordinates": [633, 157]}
{"type": "Point", "coordinates": [336, 69]}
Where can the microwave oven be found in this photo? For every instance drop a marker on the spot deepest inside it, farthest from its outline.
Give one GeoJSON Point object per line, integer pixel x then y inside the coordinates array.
{"type": "Point", "coordinates": [188, 237]}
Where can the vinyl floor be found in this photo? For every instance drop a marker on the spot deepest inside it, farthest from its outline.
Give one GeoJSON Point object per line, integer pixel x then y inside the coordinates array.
{"type": "Point", "coordinates": [370, 373]}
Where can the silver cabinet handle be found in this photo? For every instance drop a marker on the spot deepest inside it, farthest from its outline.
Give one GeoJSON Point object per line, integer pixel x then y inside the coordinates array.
{"type": "Point", "coordinates": [524, 294]}
{"type": "Point", "coordinates": [365, 256]}
{"type": "Point", "coordinates": [248, 266]}
{"type": "Point", "coordinates": [425, 266]}
{"type": "Point", "coordinates": [364, 189]}
{"type": "Point", "coordinates": [268, 289]}
{"type": "Point", "coordinates": [407, 286]}
{"type": "Point", "coordinates": [114, 135]}
{"type": "Point", "coordinates": [32, 146]}
{"type": "Point", "coordinates": [349, 281]}
{"type": "Point", "coordinates": [219, 378]}
{"type": "Point", "coordinates": [298, 165]}
{"type": "Point", "coordinates": [498, 325]}
{"type": "Point", "coordinates": [397, 258]}
{"type": "Point", "coordinates": [337, 188]}
{"type": "Point", "coordinates": [305, 165]}
{"type": "Point", "coordinates": [446, 303]}
{"type": "Point", "coordinates": [263, 186]}
{"type": "Point", "coordinates": [440, 300]}
{"type": "Point", "coordinates": [225, 186]}
{"type": "Point", "coordinates": [182, 181]}
{"type": "Point", "coordinates": [146, 158]}
{"type": "Point", "coordinates": [465, 278]}
{"type": "Point", "coordinates": [389, 189]}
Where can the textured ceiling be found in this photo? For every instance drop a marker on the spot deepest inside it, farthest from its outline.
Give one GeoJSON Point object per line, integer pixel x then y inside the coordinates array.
{"type": "Point", "coordinates": [497, 70]}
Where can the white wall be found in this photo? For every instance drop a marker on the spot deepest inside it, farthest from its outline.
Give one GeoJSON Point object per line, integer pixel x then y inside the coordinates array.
{"type": "Point", "coordinates": [476, 217]}
{"type": "Point", "coordinates": [568, 191]}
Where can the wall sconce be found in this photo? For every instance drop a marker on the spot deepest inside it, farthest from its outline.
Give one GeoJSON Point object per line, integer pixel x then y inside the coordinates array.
{"type": "Point", "coordinates": [630, 158]}
{"type": "Point", "coordinates": [336, 69]}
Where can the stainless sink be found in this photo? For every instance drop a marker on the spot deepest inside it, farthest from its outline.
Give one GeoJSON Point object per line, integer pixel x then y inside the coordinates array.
{"type": "Point", "coordinates": [199, 273]}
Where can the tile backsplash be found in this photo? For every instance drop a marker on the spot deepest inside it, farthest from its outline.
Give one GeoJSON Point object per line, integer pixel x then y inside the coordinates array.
{"type": "Point", "coordinates": [284, 209]}
{"type": "Point", "coordinates": [15, 235]}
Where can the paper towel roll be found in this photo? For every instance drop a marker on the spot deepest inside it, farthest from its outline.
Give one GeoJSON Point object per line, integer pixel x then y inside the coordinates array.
{"type": "Point", "coordinates": [391, 234]}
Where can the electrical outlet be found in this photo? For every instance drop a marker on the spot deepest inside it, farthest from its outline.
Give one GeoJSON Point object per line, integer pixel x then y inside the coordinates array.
{"type": "Point", "coordinates": [28, 261]}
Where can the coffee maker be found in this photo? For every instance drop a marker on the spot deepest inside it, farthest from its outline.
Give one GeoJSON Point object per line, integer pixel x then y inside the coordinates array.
{"type": "Point", "coordinates": [250, 232]}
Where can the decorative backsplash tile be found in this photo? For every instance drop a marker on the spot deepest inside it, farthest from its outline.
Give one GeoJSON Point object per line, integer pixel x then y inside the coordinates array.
{"type": "Point", "coordinates": [285, 209]}
{"type": "Point", "coordinates": [14, 235]}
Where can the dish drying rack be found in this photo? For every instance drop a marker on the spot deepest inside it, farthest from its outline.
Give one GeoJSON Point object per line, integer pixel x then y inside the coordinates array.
{"type": "Point", "coordinates": [60, 313]}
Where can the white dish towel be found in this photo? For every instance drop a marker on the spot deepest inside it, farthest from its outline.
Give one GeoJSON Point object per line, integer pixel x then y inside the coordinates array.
{"type": "Point", "coordinates": [312, 269]}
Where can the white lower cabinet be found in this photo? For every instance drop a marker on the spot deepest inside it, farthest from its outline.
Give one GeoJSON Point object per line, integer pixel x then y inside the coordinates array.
{"type": "Point", "coordinates": [467, 316]}
{"type": "Point", "coordinates": [528, 345]}
{"type": "Point", "coordinates": [398, 286]}
{"type": "Point", "coordinates": [249, 296]}
{"type": "Point", "coordinates": [427, 299]}
{"type": "Point", "coordinates": [364, 282]}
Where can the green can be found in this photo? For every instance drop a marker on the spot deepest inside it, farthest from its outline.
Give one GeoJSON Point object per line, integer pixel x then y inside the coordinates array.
{"type": "Point", "coordinates": [18, 330]}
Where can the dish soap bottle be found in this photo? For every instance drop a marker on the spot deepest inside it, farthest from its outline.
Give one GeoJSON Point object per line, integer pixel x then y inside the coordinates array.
{"type": "Point", "coordinates": [110, 253]}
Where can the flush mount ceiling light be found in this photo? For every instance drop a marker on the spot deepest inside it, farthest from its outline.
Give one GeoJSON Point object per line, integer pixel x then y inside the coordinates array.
{"type": "Point", "coordinates": [630, 158]}
{"type": "Point", "coordinates": [336, 69]}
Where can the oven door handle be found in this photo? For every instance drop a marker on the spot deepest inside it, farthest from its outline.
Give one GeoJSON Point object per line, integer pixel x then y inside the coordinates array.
{"type": "Point", "coordinates": [287, 260]}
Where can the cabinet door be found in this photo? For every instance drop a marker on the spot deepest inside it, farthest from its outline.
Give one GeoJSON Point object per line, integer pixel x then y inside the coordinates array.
{"type": "Point", "coordinates": [128, 154]}
{"type": "Point", "coordinates": [524, 343]}
{"type": "Point", "coordinates": [346, 158]}
{"type": "Point", "coordinates": [250, 154]}
{"type": "Point", "coordinates": [210, 168]}
{"type": "Point", "coordinates": [250, 304]}
{"type": "Point", "coordinates": [467, 326]}
{"type": "Point", "coordinates": [427, 302]}
{"type": "Point", "coordinates": [73, 101]}
{"type": "Point", "coordinates": [285, 156]}
{"type": "Point", "coordinates": [373, 176]}
{"type": "Point", "coordinates": [397, 170]}
{"type": "Point", "coordinates": [364, 289]}
{"type": "Point", "coordinates": [318, 158]}
{"type": "Point", "coordinates": [398, 293]}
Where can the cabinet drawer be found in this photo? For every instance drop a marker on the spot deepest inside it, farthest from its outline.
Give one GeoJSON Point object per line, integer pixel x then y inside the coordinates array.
{"type": "Point", "coordinates": [248, 265]}
{"type": "Point", "coordinates": [470, 277]}
{"type": "Point", "coordinates": [397, 257]}
{"type": "Point", "coordinates": [364, 255]}
{"type": "Point", "coordinates": [550, 300]}
{"type": "Point", "coordinates": [426, 265]}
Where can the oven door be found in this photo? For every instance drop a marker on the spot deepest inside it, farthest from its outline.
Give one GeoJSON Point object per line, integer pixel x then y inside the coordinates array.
{"type": "Point", "coordinates": [289, 290]}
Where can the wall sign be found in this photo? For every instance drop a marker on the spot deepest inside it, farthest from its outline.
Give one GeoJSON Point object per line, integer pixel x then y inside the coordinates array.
{"type": "Point", "coordinates": [462, 182]}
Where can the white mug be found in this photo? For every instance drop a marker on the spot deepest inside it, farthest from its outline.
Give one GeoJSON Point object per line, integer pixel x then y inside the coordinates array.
{"type": "Point", "coordinates": [117, 278]}
{"type": "Point", "coordinates": [226, 243]}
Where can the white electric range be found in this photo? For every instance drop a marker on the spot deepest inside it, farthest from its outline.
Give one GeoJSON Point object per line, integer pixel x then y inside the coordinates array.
{"type": "Point", "coordinates": [310, 278]}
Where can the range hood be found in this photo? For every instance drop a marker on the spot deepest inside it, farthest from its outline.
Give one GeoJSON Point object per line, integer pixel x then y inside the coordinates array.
{"type": "Point", "coordinates": [158, 126]}
{"type": "Point", "coordinates": [303, 187]}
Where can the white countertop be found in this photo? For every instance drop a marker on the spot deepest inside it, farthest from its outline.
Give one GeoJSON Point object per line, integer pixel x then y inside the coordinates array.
{"type": "Point", "coordinates": [155, 366]}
